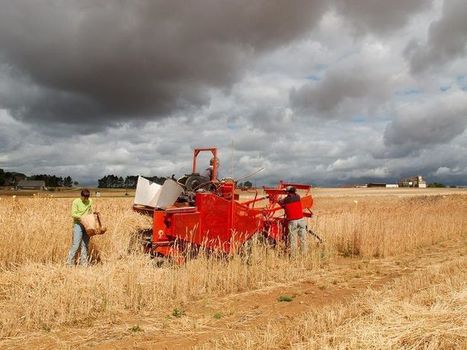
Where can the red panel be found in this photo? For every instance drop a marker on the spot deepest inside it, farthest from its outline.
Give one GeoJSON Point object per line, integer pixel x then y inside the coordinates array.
{"type": "Point", "coordinates": [159, 230]}
{"type": "Point", "coordinates": [307, 202]}
{"type": "Point", "coordinates": [246, 222]}
{"type": "Point", "coordinates": [186, 227]}
{"type": "Point", "coordinates": [215, 220]}
{"type": "Point", "coordinates": [276, 230]}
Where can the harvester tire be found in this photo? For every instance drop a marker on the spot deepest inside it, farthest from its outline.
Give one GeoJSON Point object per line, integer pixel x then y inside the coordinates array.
{"type": "Point", "coordinates": [195, 181]}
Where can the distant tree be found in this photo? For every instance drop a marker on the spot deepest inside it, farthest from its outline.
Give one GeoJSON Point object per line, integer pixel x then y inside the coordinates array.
{"type": "Point", "coordinates": [68, 181]}
{"type": "Point", "coordinates": [75, 183]}
{"type": "Point", "coordinates": [156, 179]}
{"type": "Point", "coordinates": [50, 180]}
{"type": "Point", "coordinates": [101, 183]}
{"type": "Point", "coordinates": [130, 181]}
{"type": "Point", "coordinates": [57, 180]}
{"type": "Point", "coordinates": [113, 181]}
{"type": "Point", "coordinates": [248, 184]}
{"type": "Point", "coordinates": [120, 182]}
{"type": "Point", "coordinates": [108, 181]}
{"type": "Point", "coordinates": [2, 177]}
{"type": "Point", "coordinates": [436, 185]}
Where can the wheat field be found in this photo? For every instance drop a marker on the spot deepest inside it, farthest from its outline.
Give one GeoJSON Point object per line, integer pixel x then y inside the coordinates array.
{"type": "Point", "coordinates": [40, 294]}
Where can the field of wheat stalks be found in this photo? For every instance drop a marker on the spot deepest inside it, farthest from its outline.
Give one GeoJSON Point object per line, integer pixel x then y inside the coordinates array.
{"type": "Point", "coordinates": [423, 310]}
{"type": "Point", "coordinates": [39, 292]}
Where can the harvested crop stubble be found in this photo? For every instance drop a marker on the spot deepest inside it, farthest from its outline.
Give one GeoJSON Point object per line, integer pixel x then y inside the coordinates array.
{"type": "Point", "coordinates": [425, 310]}
{"type": "Point", "coordinates": [38, 291]}
{"type": "Point", "coordinates": [34, 295]}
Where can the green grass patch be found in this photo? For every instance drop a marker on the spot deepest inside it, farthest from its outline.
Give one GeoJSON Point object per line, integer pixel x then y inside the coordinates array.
{"type": "Point", "coordinates": [178, 312]}
{"type": "Point", "coordinates": [285, 298]}
{"type": "Point", "coordinates": [135, 328]}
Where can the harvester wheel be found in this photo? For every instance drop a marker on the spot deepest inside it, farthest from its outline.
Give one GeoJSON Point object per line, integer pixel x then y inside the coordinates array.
{"type": "Point", "coordinates": [195, 181]}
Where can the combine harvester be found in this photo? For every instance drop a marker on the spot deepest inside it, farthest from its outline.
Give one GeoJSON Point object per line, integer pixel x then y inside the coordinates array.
{"type": "Point", "coordinates": [201, 212]}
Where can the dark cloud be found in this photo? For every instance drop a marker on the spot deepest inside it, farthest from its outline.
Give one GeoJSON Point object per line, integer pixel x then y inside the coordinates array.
{"type": "Point", "coordinates": [344, 91]}
{"type": "Point", "coordinates": [379, 16]}
{"type": "Point", "coordinates": [169, 76]}
{"type": "Point", "coordinates": [114, 60]}
{"type": "Point", "coordinates": [446, 39]}
{"type": "Point", "coordinates": [426, 124]}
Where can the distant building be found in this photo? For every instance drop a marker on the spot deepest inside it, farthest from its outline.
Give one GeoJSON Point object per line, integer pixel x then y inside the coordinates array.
{"type": "Point", "coordinates": [31, 185]}
{"type": "Point", "coordinates": [392, 185]}
{"type": "Point", "coordinates": [413, 181]}
{"type": "Point", "coordinates": [381, 184]}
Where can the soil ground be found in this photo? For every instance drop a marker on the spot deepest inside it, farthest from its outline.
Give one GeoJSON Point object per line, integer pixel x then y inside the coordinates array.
{"type": "Point", "coordinates": [205, 320]}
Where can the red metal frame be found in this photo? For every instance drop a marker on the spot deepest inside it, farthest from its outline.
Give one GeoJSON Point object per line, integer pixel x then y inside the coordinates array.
{"type": "Point", "coordinates": [213, 150]}
{"type": "Point", "coordinates": [219, 221]}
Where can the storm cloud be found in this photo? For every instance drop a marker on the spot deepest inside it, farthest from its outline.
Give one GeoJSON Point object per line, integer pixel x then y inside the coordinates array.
{"type": "Point", "coordinates": [113, 60]}
{"type": "Point", "coordinates": [327, 92]}
{"type": "Point", "coordinates": [427, 123]}
{"type": "Point", "coordinates": [379, 16]}
{"type": "Point", "coordinates": [446, 39]}
{"type": "Point", "coordinates": [351, 88]}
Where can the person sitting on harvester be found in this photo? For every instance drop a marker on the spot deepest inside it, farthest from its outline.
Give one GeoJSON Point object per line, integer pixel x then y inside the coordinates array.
{"type": "Point", "coordinates": [209, 172]}
{"type": "Point", "coordinates": [296, 223]}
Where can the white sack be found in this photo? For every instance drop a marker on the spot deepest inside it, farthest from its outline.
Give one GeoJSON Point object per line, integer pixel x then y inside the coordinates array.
{"type": "Point", "coordinates": [147, 192]}
{"type": "Point", "coordinates": [156, 196]}
{"type": "Point", "coordinates": [169, 193]}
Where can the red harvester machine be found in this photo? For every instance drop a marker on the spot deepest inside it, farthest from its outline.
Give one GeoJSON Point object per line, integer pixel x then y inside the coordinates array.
{"type": "Point", "coordinates": [209, 214]}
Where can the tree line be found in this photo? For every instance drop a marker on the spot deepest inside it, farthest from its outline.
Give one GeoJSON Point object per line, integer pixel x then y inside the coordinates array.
{"type": "Point", "coordinates": [8, 178]}
{"type": "Point", "coordinates": [108, 181]}
{"type": "Point", "coordinates": [114, 181]}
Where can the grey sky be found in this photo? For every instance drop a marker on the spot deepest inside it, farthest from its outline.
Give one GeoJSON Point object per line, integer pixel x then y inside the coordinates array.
{"type": "Point", "coordinates": [327, 92]}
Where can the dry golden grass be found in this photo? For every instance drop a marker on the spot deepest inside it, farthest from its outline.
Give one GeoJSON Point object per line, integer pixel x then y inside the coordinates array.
{"type": "Point", "coordinates": [384, 226]}
{"type": "Point", "coordinates": [424, 310]}
{"type": "Point", "coordinates": [37, 290]}
{"type": "Point", "coordinates": [39, 229]}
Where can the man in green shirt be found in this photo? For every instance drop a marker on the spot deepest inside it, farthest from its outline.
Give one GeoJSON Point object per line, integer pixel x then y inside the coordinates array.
{"type": "Point", "coordinates": [81, 206]}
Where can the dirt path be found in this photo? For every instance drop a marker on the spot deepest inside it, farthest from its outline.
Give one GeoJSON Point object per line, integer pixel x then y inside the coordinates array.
{"type": "Point", "coordinates": [204, 320]}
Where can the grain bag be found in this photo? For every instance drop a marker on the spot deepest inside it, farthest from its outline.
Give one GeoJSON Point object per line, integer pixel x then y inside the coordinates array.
{"type": "Point", "coordinates": [92, 224]}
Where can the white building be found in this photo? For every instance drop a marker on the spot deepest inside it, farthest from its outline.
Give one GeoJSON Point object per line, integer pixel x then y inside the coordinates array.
{"type": "Point", "coordinates": [413, 181]}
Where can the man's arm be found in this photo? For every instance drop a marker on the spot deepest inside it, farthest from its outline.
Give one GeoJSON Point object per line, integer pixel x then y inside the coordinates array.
{"type": "Point", "coordinates": [74, 210]}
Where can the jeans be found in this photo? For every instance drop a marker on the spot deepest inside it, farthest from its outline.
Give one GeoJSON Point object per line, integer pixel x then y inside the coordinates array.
{"type": "Point", "coordinates": [80, 237]}
{"type": "Point", "coordinates": [297, 228]}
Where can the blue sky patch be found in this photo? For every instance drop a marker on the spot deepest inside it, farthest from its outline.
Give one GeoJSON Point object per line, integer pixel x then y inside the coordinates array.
{"type": "Point", "coordinates": [462, 82]}
{"type": "Point", "coordinates": [313, 77]}
{"type": "Point", "coordinates": [359, 119]}
{"type": "Point", "coordinates": [321, 66]}
{"type": "Point", "coordinates": [408, 92]}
